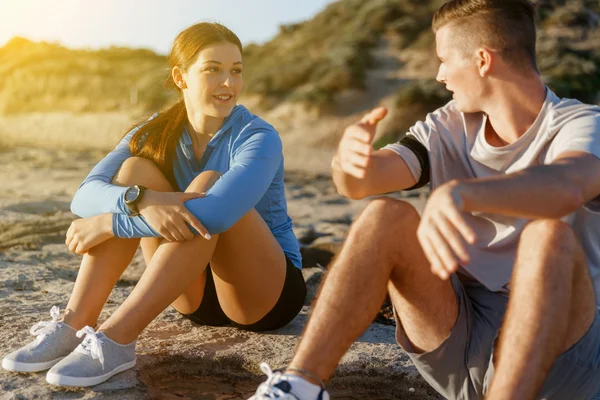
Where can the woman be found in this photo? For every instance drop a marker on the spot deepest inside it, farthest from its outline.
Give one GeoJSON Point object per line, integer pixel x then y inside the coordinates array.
{"type": "Point", "coordinates": [222, 251]}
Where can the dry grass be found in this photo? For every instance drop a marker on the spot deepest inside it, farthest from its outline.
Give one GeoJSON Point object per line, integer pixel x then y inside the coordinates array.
{"type": "Point", "coordinates": [100, 131]}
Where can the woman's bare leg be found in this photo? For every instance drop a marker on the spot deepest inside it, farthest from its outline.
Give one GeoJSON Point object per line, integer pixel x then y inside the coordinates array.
{"type": "Point", "coordinates": [249, 269]}
{"type": "Point", "coordinates": [98, 274]}
{"type": "Point", "coordinates": [243, 275]}
{"type": "Point", "coordinates": [246, 259]}
{"type": "Point", "coordinates": [248, 265]}
{"type": "Point", "coordinates": [191, 298]}
{"type": "Point", "coordinates": [104, 264]}
{"type": "Point", "coordinates": [172, 267]}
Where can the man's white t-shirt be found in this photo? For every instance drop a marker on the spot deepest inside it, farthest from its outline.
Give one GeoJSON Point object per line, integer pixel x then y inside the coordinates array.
{"type": "Point", "coordinates": [458, 149]}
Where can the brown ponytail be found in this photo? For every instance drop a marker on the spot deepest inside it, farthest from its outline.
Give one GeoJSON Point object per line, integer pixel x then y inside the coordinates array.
{"type": "Point", "coordinates": [157, 140]}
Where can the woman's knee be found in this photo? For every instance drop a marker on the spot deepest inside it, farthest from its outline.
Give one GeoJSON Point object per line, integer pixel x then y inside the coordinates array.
{"type": "Point", "coordinates": [142, 171]}
{"type": "Point", "coordinates": [204, 181]}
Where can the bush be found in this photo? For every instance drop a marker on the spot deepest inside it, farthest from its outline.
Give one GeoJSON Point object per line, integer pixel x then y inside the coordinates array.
{"type": "Point", "coordinates": [429, 93]}
{"type": "Point", "coordinates": [48, 77]}
{"type": "Point", "coordinates": [311, 61]}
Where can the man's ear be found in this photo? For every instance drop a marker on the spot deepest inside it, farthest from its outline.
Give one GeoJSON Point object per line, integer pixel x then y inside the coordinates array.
{"type": "Point", "coordinates": [485, 61]}
{"type": "Point", "coordinates": [178, 78]}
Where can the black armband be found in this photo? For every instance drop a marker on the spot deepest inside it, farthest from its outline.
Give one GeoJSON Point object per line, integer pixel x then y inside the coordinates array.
{"type": "Point", "coordinates": [422, 155]}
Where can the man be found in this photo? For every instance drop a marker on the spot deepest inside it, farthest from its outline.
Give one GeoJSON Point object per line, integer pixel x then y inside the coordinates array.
{"type": "Point", "coordinates": [493, 286]}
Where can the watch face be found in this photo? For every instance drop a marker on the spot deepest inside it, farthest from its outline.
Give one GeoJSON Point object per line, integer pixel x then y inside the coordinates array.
{"type": "Point", "coordinates": [132, 193]}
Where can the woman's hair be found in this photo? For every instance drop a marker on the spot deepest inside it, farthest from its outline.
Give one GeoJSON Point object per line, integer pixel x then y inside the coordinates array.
{"type": "Point", "coordinates": [158, 138]}
{"type": "Point", "coordinates": [507, 26]}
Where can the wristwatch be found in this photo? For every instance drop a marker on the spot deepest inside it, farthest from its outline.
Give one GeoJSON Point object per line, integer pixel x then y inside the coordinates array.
{"type": "Point", "coordinates": [133, 195]}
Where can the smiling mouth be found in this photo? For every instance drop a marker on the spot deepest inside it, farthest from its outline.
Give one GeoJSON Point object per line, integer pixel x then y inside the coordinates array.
{"type": "Point", "coordinates": [223, 97]}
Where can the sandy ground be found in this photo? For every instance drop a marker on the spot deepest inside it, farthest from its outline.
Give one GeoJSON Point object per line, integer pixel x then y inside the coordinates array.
{"type": "Point", "coordinates": [176, 360]}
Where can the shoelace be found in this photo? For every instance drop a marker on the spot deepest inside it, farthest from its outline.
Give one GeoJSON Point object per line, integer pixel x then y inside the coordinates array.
{"type": "Point", "coordinates": [43, 328]}
{"type": "Point", "coordinates": [91, 345]}
{"type": "Point", "coordinates": [268, 389]}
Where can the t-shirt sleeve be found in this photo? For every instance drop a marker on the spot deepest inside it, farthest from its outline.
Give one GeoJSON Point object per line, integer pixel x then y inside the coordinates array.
{"type": "Point", "coordinates": [583, 135]}
{"type": "Point", "coordinates": [254, 165]}
{"type": "Point", "coordinates": [414, 149]}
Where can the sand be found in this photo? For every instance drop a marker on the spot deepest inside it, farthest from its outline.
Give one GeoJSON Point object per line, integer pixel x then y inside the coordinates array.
{"type": "Point", "coordinates": [176, 359]}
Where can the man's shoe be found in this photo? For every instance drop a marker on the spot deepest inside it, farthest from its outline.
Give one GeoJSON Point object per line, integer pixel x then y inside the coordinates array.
{"type": "Point", "coordinates": [94, 361]}
{"type": "Point", "coordinates": [55, 340]}
{"type": "Point", "coordinates": [287, 387]}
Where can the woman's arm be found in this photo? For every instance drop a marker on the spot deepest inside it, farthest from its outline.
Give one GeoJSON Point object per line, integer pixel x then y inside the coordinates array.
{"type": "Point", "coordinates": [96, 195]}
{"type": "Point", "coordinates": [255, 163]}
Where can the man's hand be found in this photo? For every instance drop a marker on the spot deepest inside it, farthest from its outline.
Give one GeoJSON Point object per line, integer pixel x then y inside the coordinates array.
{"type": "Point", "coordinates": [85, 233]}
{"type": "Point", "coordinates": [443, 231]}
{"type": "Point", "coordinates": [165, 212]}
{"type": "Point", "coordinates": [355, 148]}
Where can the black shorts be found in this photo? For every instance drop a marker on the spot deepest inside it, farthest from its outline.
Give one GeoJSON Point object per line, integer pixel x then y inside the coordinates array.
{"type": "Point", "coordinates": [285, 310]}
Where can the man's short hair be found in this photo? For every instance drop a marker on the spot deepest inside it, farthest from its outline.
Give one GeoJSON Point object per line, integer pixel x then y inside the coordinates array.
{"type": "Point", "coordinates": [506, 26]}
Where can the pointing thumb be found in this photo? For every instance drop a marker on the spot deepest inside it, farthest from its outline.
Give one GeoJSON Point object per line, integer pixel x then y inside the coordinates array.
{"type": "Point", "coordinates": [374, 116]}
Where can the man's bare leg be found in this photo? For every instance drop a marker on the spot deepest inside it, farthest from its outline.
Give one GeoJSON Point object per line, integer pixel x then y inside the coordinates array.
{"type": "Point", "coordinates": [382, 248]}
{"type": "Point", "coordinates": [551, 306]}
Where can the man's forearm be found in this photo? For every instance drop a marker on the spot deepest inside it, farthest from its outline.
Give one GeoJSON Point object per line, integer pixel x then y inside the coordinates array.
{"type": "Point", "coordinates": [537, 192]}
{"type": "Point", "coordinates": [346, 184]}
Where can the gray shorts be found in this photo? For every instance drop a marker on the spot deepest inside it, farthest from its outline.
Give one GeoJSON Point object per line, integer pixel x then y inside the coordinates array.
{"type": "Point", "coordinates": [461, 367]}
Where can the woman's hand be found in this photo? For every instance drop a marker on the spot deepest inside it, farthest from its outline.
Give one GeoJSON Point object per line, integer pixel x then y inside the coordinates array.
{"type": "Point", "coordinates": [165, 212]}
{"type": "Point", "coordinates": [85, 233]}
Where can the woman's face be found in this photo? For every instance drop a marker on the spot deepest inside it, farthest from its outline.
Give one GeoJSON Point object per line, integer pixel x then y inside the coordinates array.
{"type": "Point", "coordinates": [212, 84]}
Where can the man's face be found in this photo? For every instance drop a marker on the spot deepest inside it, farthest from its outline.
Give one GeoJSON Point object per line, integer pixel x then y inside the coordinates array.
{"type": "Point", "coordinates": [458, 70]}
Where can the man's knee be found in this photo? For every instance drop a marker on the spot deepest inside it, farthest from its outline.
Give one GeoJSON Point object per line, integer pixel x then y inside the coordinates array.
{"type": "Point", "coordinates": [391, 214]}
{"type": "Point", "coordinates": [204, 181]}
{"type": "Point", "coordinates": [550, 253]}
{"type": "Point", "coordinates": [388, 220]}
{"type": "Point", "coordinates": [548, 235]}
{"type": "Point", "coordinates": [142, 171]}
{"type": "Point", "coordinates": [552, 242]}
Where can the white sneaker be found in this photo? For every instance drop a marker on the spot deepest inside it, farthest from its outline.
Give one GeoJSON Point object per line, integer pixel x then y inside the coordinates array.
{"type": "Point", "coordinates": [94, 361]}
{"type": "Point", "coordinates": [55, 340]}
{"type": "Point", "coordinates": [287, 387]}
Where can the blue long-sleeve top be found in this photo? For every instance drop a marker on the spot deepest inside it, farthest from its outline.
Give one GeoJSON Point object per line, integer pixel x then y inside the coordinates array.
{"type": "Point", "coordinates": [246, 150]}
